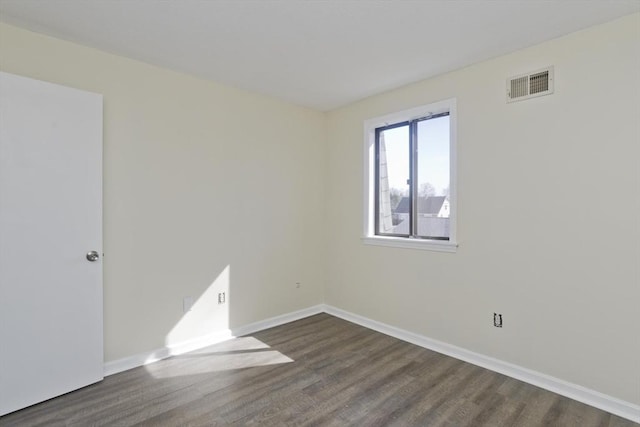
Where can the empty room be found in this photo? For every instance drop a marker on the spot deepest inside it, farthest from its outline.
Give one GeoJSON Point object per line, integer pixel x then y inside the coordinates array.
{"type": "Point", "coordinates": [319, 213]}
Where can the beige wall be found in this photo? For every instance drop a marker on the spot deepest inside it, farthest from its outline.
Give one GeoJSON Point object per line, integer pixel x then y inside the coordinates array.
{"type": "Point", "coordinates": [203, 184]}
{"type": "Point", "coordinates": [208, 187]}
{"type": "Point", "coordinates": [539, 240]}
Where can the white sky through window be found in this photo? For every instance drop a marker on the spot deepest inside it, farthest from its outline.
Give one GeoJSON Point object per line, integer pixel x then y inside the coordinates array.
{"type": "Point", "coordinates": [433, 154]}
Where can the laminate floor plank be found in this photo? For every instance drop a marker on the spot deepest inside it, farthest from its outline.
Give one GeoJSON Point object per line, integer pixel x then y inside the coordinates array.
{"type": "Point", "coordinates": [317, 371]}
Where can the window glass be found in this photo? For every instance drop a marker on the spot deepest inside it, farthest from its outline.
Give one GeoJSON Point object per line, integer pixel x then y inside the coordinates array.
{"type": "Point", "coordinates": [393, 175]}
{"type": "Point", "coordinates": [412, 178]}
{"type": "Point", "coordinates": [432, 165]}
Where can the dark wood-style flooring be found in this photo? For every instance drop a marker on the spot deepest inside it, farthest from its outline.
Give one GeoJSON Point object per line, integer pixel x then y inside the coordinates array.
{"type": "Point", "coordinates": [318, 371]}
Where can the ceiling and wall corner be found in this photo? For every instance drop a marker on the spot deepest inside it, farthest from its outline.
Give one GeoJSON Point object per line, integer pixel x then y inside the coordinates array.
{"type": "Point", "coordinates": [319, 54]}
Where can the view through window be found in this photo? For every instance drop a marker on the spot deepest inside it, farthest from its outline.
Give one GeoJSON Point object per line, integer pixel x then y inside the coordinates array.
{"type": "Point", "coordinates": [412, 178]}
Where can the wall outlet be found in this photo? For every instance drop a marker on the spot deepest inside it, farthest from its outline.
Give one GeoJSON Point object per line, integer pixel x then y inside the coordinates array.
{"type": "Point", "coordinates": [497, 320]}
{"type": "Point", "coordinates": [298, 285]}
{"type": "Point", "coordinates": [222, 297]}
{"type": "Point", "coordinates": [187, 303]}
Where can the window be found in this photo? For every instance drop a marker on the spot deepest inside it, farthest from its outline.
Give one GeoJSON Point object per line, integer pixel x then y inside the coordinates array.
{"type": "Point", "coordinates": [410, 178]}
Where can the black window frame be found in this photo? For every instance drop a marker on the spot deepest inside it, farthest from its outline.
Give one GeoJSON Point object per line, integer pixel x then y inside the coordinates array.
{"type": "Point", "coordinates": [413, 177]}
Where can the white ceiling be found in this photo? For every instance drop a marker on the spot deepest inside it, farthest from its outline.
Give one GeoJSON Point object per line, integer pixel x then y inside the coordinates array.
{"type": "Point", "coordinates": [320, 54]}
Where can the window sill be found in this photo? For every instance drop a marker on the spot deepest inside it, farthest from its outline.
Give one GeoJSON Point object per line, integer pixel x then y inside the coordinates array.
{"type": "Point", "coordinates": [403, 242]}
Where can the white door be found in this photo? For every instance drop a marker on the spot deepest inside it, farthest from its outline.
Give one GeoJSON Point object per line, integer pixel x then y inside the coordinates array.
{"type": "Point", "coordinates": [50, 218]}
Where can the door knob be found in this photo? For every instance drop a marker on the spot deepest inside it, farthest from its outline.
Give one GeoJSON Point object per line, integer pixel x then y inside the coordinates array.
{"type": "Point", "coordinates": [92, 256]}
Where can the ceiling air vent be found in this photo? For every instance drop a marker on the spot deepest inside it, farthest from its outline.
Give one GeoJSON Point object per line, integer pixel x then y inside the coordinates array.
{"type": "Point", "coordinates": [530, 85]}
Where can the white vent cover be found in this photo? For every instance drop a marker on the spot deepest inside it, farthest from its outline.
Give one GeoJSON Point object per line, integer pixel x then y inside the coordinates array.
{"type": "Point", "coordinates": [530, 85]}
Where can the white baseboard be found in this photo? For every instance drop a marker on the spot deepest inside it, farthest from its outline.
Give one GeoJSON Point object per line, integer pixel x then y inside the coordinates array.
{"type": "Point", "coordinates": [582, 394]}
{"type": "Point", "coordinates": [278, 320]}
{"type": "Point", "coordinates": [145, 358]}
{"type": "Point", "coordinates": [142, 359]}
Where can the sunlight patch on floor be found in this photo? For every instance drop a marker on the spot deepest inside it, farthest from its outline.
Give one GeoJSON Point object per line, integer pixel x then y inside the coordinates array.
{"type": "Point", "coordinates": [238, 353]}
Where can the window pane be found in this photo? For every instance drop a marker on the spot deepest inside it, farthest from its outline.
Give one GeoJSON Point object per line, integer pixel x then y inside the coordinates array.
{"type": "Point", "coordinates": [433, 178]}
{"type": "Point", "coordinates": [393, 174]}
